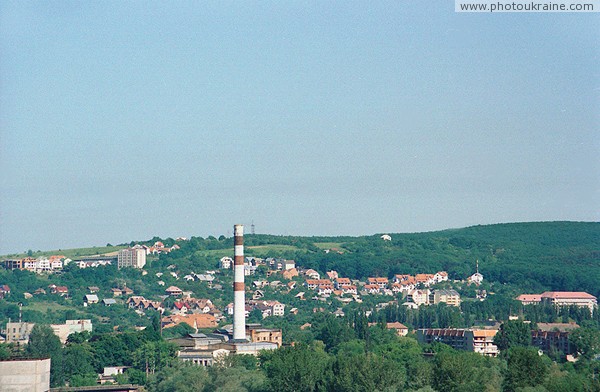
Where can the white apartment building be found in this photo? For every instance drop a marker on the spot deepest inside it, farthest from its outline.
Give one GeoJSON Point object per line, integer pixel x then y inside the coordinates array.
{"type": "Point", "coordinates": [132, 257]}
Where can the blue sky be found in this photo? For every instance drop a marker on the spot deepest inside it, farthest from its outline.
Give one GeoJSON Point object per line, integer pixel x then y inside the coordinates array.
{"type": "Point", "coordinates": [124, 120]}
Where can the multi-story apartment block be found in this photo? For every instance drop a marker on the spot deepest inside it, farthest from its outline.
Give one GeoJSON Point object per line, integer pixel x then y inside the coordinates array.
{"type": "Point", "coordinates": [481, 341]}
{"type": "Point", "coordinates": [478, 340]}
{"type": "Point", "coordinates": [18, 332]}
{"type": "Point", "coordinates": [561, 298]}
{"type": "Point", "coordinates": [132, 257]}
{"type": "Point", "coordinates": [450, 297]}
{"type": "Point", "coordinates": [419, 297]}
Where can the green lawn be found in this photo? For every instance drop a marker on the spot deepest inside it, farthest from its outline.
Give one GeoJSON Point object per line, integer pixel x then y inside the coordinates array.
{"type": "Point", "coordinates": [328, 245]}
{"type": "Point", "coordinates": [43, 306]}
{"type": "Point", "coordinates": [71, 253]}
{"type": "Point", "coordinates": [259, 250]}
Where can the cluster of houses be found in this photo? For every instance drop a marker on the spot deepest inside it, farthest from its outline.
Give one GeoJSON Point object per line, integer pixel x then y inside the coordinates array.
{"type": "Point", "coordinates": [159, 248]}
{"type": "Point", "coordinates": [55, 263]}
{"type": "Point", "coordinates": [266, 307]}
{"type": "Point", "coordinates": [414, 288]}
{"type": "Point", "coordinates": [40, 265]}
{"type": "Point", "coordinates": [274, 265]}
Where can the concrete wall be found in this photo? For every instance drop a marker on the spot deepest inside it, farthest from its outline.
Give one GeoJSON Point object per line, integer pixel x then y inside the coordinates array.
{"type": "Point", "coordinates": [25, 376]}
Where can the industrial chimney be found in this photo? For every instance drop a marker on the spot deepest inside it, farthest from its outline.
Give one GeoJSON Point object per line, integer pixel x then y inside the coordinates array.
{"type": "Point", "coordinates": [239, 302]}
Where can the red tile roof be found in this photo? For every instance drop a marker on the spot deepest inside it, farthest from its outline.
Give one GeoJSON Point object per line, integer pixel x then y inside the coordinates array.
{"type": "Point", "coordinates": [567, 295]}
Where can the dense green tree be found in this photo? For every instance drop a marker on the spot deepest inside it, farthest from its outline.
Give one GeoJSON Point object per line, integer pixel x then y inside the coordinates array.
{"type": "Point", "coordinates": [79, 363]}
{"type": "Point", "coordinates": [525, 368]}
{"type": "Point", "coordinates": [235, 379]}
{"type": "Point", "coordinates": [465, 371]}
{"type": "Point", "coordinates": [407, 352]}
{"type": "Point", "coordinates": [366, 372]}
{"type": "Point", "coordinates": [332, 330]}
{"type": "Point", "coordinates": [5, 352]}
{"type": "Point", "coordinates": [513, 334]}
{"type": "Point", "coordinates": [43, 343]}
{"type": "Point", "coordinates": [181, 378]}
{"type": "Point", "coordinates": [297, 369]}
{"type": "Point", "coordinates": [586, 342]}
{"type": "Point", "coordinates": [153, 356]}
{"type": "Point", "coordinates": [79, 337]}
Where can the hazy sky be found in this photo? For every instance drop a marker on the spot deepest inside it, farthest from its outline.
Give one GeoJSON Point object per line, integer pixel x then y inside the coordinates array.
{"type": "Point", "coordinates": [124, 120]}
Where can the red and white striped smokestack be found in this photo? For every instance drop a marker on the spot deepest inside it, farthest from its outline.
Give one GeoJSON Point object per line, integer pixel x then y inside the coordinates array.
{"type": "Point", "coordinates": [239, 301]}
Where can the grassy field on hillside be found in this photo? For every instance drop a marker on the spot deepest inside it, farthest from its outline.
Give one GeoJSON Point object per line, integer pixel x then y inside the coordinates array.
{"type": "Point", "coordinates": [328, 245]}
{"type": "Point", "coordinates": [71, 253]}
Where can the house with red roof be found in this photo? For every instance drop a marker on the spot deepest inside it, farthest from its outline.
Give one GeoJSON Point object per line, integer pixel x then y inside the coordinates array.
{"type": "Point", "coordinates": [174, 291]}
{"type": "Point", "coordinates": [4, 290]}
{"type": "Point", "coordinates": [382, 283]}
{"type": "Point", "coordinates": [570, 298]}
{"type": "Point", "coordinates": [561, 298]}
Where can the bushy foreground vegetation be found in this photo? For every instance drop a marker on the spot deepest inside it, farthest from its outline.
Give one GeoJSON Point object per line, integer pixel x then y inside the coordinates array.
{"type": "Point", "coordinates": [338, 354]}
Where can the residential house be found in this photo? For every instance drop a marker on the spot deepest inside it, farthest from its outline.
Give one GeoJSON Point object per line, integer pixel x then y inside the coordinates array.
{"type": "Point", "coordinates": [179, 308]}
{"type": "Point", "coordinates": [371, 288]}
{"type": "Point", "coordinates": [205, 277]}
{"type": "Point", "coordinates": [312, 284]}
{"type": "Point", "coordinates": [290, 273]}
{"type": "Point", "coordinates": [93, 289]}
{"type": "Point", "coordinates": [475, 279]}
{"type": "Point", "coordinates": [226, 263]}
{"type": "Point", "coordinates": [402, 278]}
{"type": "Point", "coordinates": [259, 284]}
{"type": "Point", "coordinates": [195, 321]}
{"type": "Point", "coordinates": [258, 294]}
{"type": "Point", "coordinates": [4, 291]}
{"type": "Point", "coordinates": [340, 283]}
{"type": "Point", "coordinates": [419, 297]}
{"type": "Point", "coordinates": [90, 299]}
{"type": "Point", "coordinates": [311, 273]}
{"type": "Point", "coordinates": [401, 329]}
{"type": "Point", "coordinates": [63, 291]}
{"type": "Point", "coordinates": [109, 373]}
{"type": "Point", "coordinates": [109, 301]}
{"type": "Point", "coordinates": [530, 299]}
{"type": "Point", "coordinates": [289, 264]}
{"type": "Point", "coordinates": [333, 275]}
{"type": "Point", "coordinates": [174, 291]}
{"type": "Point", "coordinates": [349, 290]}
{"type": "Point", "coordinates": [441, 276]}
{"type": "Point", "coordinates": [425, 279]}
{"type": "Point", "coordinates": [325, 288]}
{"type": "Point", "coordinates": [382, 283]}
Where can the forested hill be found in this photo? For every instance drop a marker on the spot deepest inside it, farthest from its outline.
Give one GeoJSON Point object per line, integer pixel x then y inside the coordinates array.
{"type": "Point", "coordinates": [534, 256]}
